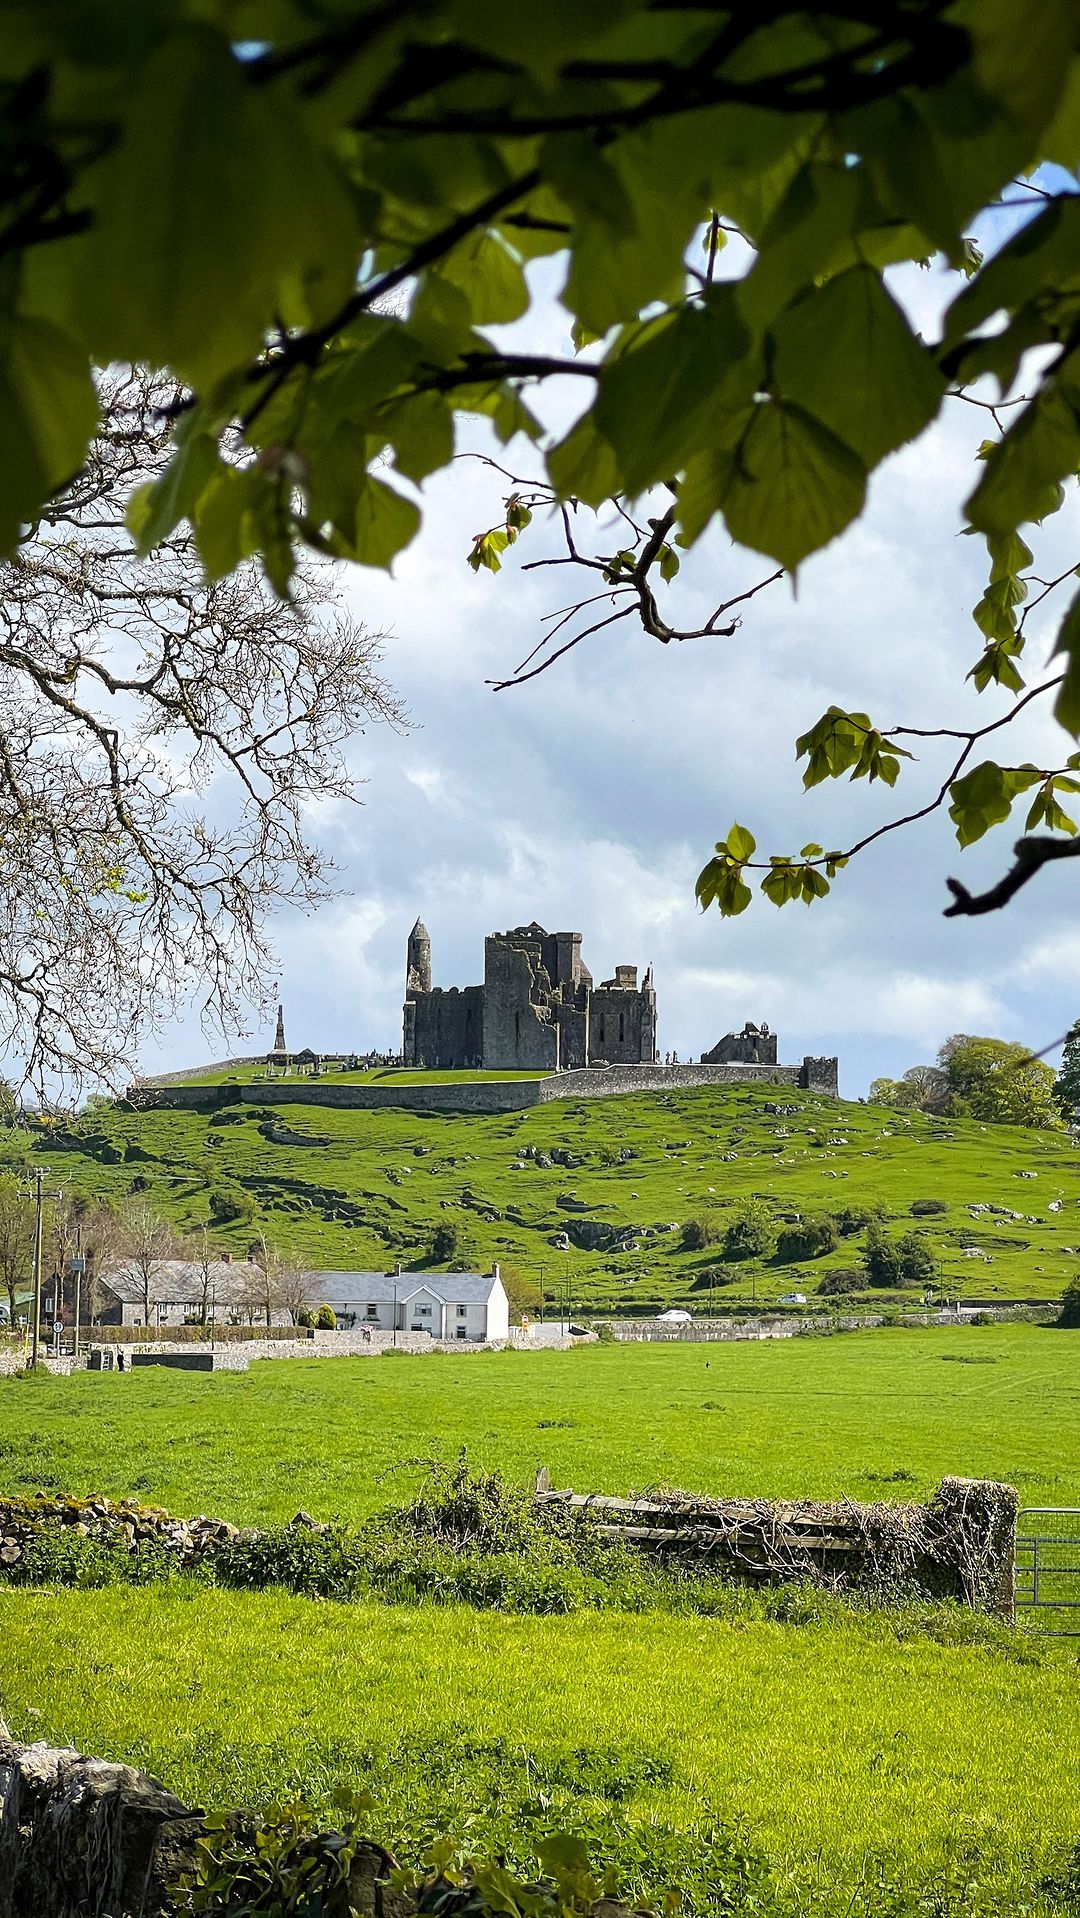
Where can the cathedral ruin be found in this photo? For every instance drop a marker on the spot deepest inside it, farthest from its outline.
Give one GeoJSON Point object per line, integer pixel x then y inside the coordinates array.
{"type": "Point", "coordinates": [537, 1010]}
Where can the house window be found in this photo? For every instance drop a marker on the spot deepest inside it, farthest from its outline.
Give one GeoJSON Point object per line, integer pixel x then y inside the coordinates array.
{"type": "Point", "coordinates": [372, 1312]}
{"type": "Point", "coordinates": [462, 1332]}
{"type": "Point", "coordinates": [461, 1311]}
{"type": "Point", "coordinates": [423, 1311]}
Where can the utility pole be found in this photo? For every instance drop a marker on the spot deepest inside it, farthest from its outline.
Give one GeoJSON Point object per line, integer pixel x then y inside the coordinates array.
{"type": "Point", "coordinates": [39, 1174]}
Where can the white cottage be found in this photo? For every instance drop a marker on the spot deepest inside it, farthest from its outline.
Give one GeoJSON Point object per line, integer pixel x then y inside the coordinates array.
{"type": "Point", "coordinates": [447, 1305]}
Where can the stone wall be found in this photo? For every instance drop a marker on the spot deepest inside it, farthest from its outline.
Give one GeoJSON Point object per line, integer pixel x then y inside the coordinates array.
{"type": "Point", "coordinates": [445, 1028]}
{"type": "Point", "coordinates": [519, 1034]}
{"type": "Point", "coordinates": [502, 1095]}
{"type": "Point", "coordinates": [80, 1836]}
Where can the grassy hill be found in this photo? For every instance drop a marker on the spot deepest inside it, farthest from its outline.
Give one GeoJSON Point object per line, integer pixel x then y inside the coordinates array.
{"type": "Point", "coordinates": [367, 1188]}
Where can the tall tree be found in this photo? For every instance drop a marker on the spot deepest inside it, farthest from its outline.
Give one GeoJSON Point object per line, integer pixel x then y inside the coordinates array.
{"type": "Point", "coordinates": [234, 193]}
{"type": "Point", "coordinates": [998, 1081]}
{"type": "Point", "coordinates": [17, 1216]}
{"type": "Point", "coordinates": [146, 1246]}
{"type": "Point", "coordinates": [127, 687]}
{"type": "Point", "coordinates": [1067, 1083]}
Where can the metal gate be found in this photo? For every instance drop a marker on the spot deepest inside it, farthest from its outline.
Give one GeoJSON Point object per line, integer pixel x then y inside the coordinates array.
{"type": "Point", "coordinates": [1047, 1583]}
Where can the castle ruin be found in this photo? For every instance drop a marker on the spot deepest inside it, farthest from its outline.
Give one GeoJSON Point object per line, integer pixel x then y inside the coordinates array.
{"type": "Point", "coordinates": [537, 1010]}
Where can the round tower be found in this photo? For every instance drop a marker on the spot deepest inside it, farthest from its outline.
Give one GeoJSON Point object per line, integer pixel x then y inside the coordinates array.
{"type": "Point", "coordinates": [418, 961]}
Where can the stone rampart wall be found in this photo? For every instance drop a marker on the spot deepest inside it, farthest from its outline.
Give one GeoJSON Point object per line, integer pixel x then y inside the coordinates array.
{"type": "Point", "coordinates": [500, 1095]}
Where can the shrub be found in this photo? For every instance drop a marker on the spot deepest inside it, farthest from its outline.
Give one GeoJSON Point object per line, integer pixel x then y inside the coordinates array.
{"type": "Point", "coordinates": [807, 1240]}
{"type": "Point", "coordinates": [1069, 1314]}
{"type": "Point", "coordinates": [711, 1275]}
{"type": "Point", "coordinates": [750, 1232]}
{"type": "Point", "coordinates": [444, 1242]}
{"type": "Point", "coordinates": [852, 1218]}
{"type": "Point", "coordinates": [840, 1281]}
{"type": "Point", "coordinates": [303, 1317]}
{"type": "Point", "coordinates": [228, 1202]}
{"type": "Point", "coordinates": [325, 1320]}
{"type": "Point", "coordinates": [917, 1263]}
{"type": "Point", "coordinates": [696, 1235]}
{"type": "Point", "coordinates": [879, 1257]}
{"type": "Point", "coordinates": [926, 1208]}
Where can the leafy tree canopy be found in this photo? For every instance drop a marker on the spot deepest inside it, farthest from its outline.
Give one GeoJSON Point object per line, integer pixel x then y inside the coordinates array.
{"type": "Point", "coordinates": [993, 1080]}
{"type": "Point", "coordinates": [315, 216]}
{"type": "Point", "coordinates": [1067, 1083]}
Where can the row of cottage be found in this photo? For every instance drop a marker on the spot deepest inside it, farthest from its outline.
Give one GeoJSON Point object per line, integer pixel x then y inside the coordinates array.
{"type": "Point", "coordinates": [447, 1305]}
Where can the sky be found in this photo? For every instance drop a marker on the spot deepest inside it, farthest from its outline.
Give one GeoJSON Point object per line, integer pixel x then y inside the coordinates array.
{"type": "Point", "coordinates": [590, 798]}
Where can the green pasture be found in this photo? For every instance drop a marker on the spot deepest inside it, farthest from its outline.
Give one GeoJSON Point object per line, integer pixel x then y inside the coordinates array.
{"type": "Point", "coordinates": [868, 1415]}
{"type": "Point", "coordinates": [367, 1188]}
{"type": "Point", "coordinates": [859, 1767]}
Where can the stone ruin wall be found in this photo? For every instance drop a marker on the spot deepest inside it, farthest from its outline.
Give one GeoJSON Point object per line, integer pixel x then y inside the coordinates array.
{"type": "Point", "coordinates": [444, 1028]}
{"type": "Point", "coordinates": [494, 1095]}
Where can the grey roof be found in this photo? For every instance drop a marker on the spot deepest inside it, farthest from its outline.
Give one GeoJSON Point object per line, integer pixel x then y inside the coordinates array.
{"type": "Point", "coordinates": [382, 1288]}
{"type": "Point", "coordinates": [179, 1281]}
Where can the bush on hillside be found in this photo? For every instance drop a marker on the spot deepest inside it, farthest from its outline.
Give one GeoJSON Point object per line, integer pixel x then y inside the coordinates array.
{"type": "Point", "coordinates": [229, 1202]}
{"type": "Point", "coordinates": [444, 1242]}
{"type": "Point", "coordinates": [927, 1208]}
{"type": "Point", "coordinates": [852, 1218]}
{"type": "Point", "coordinates": [879, 1257]}
{"type": "Point", "coordinates": [918, 1266]}
{"type": "Point", "coordinates": [907, 1261]}
{"type": "Point", "coordinates": [325, 1319]}
{"type": "Point", "coordinates": [809, 1239]}
{"type": "Point", "coordinates": [749, 1234]}
{"type": "Point", "coordinates": [1069, 1315]}
{"type": "Point", "coordinates": [711, 1275]}
{"type": "Point", "coordinates": [697, 1234]}
{"type": "Point", "coordinates": [840, 1281]}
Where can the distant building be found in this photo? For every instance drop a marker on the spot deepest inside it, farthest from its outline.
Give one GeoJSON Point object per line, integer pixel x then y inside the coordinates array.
{"type": "Point", "coordinates": [448, 1305]}
{"type": "Point", "coordinates": [537, 1010]}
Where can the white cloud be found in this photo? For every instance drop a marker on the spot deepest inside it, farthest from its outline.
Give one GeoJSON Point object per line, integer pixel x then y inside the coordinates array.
{"type": "Point", "coordinates": [591, 797]}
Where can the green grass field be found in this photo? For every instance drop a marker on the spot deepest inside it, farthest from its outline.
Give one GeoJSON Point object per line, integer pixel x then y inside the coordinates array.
{"type": "Point", "coordinates": [822, 1762]}
{"type": "Point", "coordinates": [844, 1753]}
{"type": "Point", "coordinates": [867, 1415]}
{"type": "Point", "coordinates": [369, 1187]}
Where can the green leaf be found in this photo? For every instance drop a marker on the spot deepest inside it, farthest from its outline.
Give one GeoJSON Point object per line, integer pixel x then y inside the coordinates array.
{"type": "Point", "coordinates": [741, 844]}
{"type": "Point", "coordinates": [662, 399]}
{"type": "Point", "coordinates": [224, 527]}
{"type": "Point", "coordinates": [156, 509]}
{"type": "Point", "coordinates": [1067, 703]}
{"type": "Point", "coordinates": [490, 276]}
{"type": "Point", "coordinates": [582, 466]}
{"type": "Point", "coordinates": [847, 355]}
{"type": "Point", "coordinates": [984, 797]}
{"type": "Point", "coordinates": [48, 410]}
{"type": "Point", "coordinates": [622, 261]}
{"type": "Point", "coordinates": [1021, 481]}
{"type": "Point", "coordinates": [384, 525]}
{"type": "Point", "coordinates": [214, 214]}
{"type": "Point", "coordinates": [420, 428]}
{"type": "Point", "coordinates": [786, 489]}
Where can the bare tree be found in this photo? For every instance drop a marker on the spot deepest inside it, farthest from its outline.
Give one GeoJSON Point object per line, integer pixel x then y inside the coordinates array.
{"type": "Point", "coordinates": [16, 1241]}
{"type": "Point", "coordinates": [101, 1241]}
{"type": "Point", "coordinates": [205, 1257]}
{"type": "Point", "coordinates": [297, 1290]}
{"type": "Point", "coordinates": [146, 1245]}
{"type": "Point", "coordinates": [126, 687]}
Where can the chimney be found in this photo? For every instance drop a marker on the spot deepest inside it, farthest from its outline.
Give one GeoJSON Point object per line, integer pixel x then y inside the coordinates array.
{"type": "Point", "coordinates": [495, 1270]}
{"type": "Point", "coordinates": [397, 1271]}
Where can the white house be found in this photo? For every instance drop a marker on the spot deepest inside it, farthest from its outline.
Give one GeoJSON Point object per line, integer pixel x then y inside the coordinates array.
{"type": "Point", "coordinates": [447, 1305]}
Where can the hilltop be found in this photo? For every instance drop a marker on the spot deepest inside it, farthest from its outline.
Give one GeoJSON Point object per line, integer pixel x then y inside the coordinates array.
{"type": "Point", "coordinates": [368, 1188]}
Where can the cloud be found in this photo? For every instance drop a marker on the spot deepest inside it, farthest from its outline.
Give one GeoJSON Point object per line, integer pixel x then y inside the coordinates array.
{"type": "Point", "coordinates": [591, 797]}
